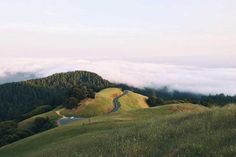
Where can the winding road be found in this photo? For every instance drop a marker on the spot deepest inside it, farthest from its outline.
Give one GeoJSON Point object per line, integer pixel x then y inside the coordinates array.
{"type": "Point", "coordinates": [59, 114]}
{"type": "Point", "coordinates": [66, 120]}
{"type": "Point", "coordinates": [116, 102]}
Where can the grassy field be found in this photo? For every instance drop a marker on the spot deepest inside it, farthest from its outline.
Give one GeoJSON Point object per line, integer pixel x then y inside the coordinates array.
{"type": "Point", "coordinates": [169, 131]}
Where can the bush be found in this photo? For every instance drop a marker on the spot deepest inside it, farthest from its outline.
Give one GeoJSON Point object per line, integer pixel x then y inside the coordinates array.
{"type": "Point", "coordinates": [36, 111]}
{"type": "Point", "coordinates": [154, 101]}
{"type": "Point", "coordinates": [41, 124]}
{"type": "Point", "coordinates": [71, 103]}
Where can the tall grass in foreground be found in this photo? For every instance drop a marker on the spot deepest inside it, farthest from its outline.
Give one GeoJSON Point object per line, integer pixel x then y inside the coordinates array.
{"type": "Point", "coordinates": [207, 134]}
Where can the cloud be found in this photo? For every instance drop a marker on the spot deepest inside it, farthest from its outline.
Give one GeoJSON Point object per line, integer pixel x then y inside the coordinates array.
{"type": "Point", "coordinates": [137, 73]}
{"type": "Point", "coordinates": [74, 29]}
{"type": "Point", "coordinates": [19, 76]}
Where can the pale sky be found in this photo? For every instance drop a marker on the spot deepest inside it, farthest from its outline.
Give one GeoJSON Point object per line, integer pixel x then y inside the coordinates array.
{"type": "Point", "coordinates": [110, 28]}
{"type": "Point", "coordinates": [189, 45]}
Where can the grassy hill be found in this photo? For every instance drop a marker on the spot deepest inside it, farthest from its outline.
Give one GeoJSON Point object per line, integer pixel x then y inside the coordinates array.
{"type": "Point", "coordinates": [133, 101]}
{"type": "Point", "coordinates": [103, 103]}
{"type": "Point", "coordinates": [172, 130]}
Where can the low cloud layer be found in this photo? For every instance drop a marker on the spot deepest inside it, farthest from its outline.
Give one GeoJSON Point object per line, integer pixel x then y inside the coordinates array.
{"type": "Point", "coordinates": [196, 79]}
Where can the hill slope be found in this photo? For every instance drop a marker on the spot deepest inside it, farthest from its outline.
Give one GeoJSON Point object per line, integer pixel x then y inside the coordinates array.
{"type": "Point", "coordinates": [27, 123]}
{"type": "Point", "coordinates": [22, 97]}
{"type": "Point", "coordinates": [103, 103]}
{"type": "Point", "coordinates": [133, 101]}
{"type": "Point", "coordinates": [160, 131]}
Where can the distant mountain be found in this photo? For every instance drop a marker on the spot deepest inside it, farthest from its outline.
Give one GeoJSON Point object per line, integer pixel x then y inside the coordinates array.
{"type": "Point", "coordinates": [22, 97]}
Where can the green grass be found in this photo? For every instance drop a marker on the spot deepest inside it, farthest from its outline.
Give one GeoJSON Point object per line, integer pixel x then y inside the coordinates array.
{"type": "Point", "coordinates": [53, 117]}
{"type": "Point", "coordinates": [169, 131]}
{"type": "Point", "coordinates": [133, 101]}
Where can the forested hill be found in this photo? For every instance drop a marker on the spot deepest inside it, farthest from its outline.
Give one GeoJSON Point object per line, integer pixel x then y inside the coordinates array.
{"type": "Point", "coordinates": [69, 80]}
{"type": "Point", "coordinates": [20, 98]}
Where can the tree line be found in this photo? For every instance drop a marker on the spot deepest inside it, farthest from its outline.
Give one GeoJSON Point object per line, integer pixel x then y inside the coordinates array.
{"type": "Point", "coordinates": [164, 96]}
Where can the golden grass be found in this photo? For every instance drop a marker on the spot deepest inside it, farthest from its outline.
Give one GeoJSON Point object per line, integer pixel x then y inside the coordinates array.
{"type": "Point", "coordinates": [103, 103]}
{"type": "Point", "coordinates": [133, 101]}
{"type": "Point", "coordinates": [185, 107]}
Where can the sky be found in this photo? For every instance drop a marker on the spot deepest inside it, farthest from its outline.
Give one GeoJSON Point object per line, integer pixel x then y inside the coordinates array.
{"type": "Point", "coordinates": [82, 28]}
{"type": "Point", "coordinates": [185, 45]}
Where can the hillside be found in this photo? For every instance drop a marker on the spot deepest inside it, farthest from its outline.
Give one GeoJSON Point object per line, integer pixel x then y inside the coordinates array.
{"type": "Point", "coordinates": [69, 80]}
{"type": "Point", "coordinates": [103, 103]}
{"type": "Point", "coordinates": [17, 99]}
{"type": "Point", "coordinates": [133, 101]}
{"type": "Point", "coordinates": [27, 123]}
{"type": "Point", "coordinates": [172, 130]}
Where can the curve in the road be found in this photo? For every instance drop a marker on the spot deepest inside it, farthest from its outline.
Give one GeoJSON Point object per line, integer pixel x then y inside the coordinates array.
{"type": "Point", "coordinates": [66, 120]}
{"type": "Point", "coordinates": [116, 101]}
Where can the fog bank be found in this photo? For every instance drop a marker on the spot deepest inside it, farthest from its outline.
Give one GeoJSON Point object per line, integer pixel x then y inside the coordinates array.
{"type": "Point", "coordinates": [198, 79]}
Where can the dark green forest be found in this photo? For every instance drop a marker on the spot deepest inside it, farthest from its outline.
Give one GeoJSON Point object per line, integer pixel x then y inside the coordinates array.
{"type": "Point", "coordinates": [18, 99]}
